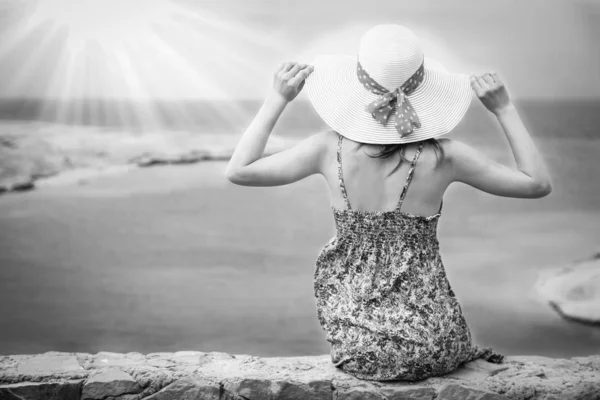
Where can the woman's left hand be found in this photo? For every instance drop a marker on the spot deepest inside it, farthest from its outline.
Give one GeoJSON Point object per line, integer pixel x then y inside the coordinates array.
{"type": "Point", "coordinates": [289, 79]}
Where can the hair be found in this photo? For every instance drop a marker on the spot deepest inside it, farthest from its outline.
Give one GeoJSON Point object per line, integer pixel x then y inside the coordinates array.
{"type": "Point", "coordinates": [390, 149]}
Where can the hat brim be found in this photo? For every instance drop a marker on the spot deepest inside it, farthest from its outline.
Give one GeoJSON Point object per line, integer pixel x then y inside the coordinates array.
{"type": "Point", "coordinates": [440, 101]}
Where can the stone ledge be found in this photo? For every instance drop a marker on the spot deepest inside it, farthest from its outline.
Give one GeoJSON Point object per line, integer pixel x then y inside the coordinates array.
{"type": "Point", "coordinates": [221, 376]}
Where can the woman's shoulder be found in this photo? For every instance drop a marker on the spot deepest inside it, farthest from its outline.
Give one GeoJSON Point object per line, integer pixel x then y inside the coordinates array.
{"type": "Point", "coordinates": [320, 142]}
{"type": "Point", "coordinates": [320, 146]}
{"type": "Point", "coordinates": [463, 160]}
{"type": "Point", "coordinates": [327, 140]}
{"type": "Point", "coordinates": [453, 157]}
{"type": "Point", "coordinates": [455, 150]}
{"type": "Point", "coordinates": [329, 136]}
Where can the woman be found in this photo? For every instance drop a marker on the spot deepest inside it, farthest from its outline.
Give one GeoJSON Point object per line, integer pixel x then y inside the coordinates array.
{"type": "Point", "coordinates": [382, 295]}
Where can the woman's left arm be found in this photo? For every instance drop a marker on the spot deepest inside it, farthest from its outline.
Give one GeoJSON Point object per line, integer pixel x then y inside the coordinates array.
{"type": "Point", "coordinates": [247, 167]}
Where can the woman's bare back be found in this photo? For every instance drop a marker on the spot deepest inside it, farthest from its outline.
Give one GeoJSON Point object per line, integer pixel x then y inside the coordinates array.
{"type": "Point", "coordinates": [373, 185]}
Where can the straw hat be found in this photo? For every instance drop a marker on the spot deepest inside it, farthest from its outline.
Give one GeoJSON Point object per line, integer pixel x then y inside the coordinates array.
{"type": "Point", "coordinates": [390, 93]}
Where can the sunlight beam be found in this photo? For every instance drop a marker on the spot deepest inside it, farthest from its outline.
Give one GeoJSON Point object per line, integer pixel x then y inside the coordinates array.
{"type": "Point", "coordinates": [138, 51]}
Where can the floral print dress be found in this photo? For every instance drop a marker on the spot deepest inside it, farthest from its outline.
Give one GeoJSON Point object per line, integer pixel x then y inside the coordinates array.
{"type": "Point", "coordinates": [383, 298]}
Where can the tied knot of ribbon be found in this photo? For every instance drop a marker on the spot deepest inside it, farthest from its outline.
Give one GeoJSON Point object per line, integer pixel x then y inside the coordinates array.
{"type": "Point", "coordinates": [393, 104]}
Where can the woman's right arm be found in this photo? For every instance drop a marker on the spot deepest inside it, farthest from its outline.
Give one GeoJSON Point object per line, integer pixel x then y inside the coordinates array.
{"type": "Point", "coordinates": [530, 179]}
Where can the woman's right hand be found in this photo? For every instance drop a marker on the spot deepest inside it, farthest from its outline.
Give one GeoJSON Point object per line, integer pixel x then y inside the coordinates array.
{"type": "Point", "coordinates": [289, 79]}
{"type": "Point", "coordinates": [491, 91]}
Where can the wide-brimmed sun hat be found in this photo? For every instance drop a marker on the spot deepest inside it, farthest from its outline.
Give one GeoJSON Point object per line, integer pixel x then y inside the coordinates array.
{"type": "Point", "coordinates": [390, 92]}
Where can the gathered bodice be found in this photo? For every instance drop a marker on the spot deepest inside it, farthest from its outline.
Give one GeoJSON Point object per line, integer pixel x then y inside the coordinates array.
{"type": "Point", "coordinates": [391, 225]}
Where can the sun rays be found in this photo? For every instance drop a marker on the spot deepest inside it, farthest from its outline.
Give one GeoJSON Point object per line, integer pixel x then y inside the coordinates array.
{"type": "Point", "coordinates": [139, 50]}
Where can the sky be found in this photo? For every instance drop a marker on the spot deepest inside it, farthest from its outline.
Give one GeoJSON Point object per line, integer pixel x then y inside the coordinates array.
{"type": "Point", "coordinates": [222, 49]}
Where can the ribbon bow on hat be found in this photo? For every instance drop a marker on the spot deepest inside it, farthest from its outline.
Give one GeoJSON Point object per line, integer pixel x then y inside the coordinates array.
{"type": "Point", "coordinates": [405, 116]}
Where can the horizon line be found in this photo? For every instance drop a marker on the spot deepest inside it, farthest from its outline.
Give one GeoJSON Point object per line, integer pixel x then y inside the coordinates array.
{"type": "Point", "coordinates": [256, 98]}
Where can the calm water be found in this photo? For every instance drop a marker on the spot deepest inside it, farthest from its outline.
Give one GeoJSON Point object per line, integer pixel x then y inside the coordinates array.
{"type": "Point", "coordinates": [177, 258]}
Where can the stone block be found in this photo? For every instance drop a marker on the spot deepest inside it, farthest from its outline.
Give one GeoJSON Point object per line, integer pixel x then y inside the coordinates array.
{"type": "Point", "coordinates": [69, 390]}
{"type": "Point", "coordinates": [476, 370]}
{"type": "Point", "coordinates": [187, 357]}
{"type": "Point", "coordinates": [458, 392]}
{"type": "Point", "coordinates": [189, 388]}
{"type": "Point", "coordinates": [109, 359]}
{"type": "Point", "coordinates": [358, 393]}
{"type": "Point", "coordinates": [109, 382]}
{"type": "Point", "coordinates": [289, 389]}
{"type": "Point", "coordinates": [49, 364]}
{"type": "Point", "coordinates": [408, 393]}
{"type": "Point", "coordinates": [250, 388]}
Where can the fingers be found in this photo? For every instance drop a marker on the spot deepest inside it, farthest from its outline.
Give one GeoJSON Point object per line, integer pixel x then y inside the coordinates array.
{"type": "Point", "coordinates": [485, 83]}
{"type": "Point", "coordinates": [293, 71]}
{"type": "Point", "coordinates": [301, 76]}
{"type": "Point", "coordinates": [286, 67]}
{"type": "Point", "coordinates": [283, 68]}
{"type": "Point", "coordinates": [487, 77]}
{"type": "Point", "coordinates": [497, 79]}
{"type": "Point", "coordinates": [479, 91]}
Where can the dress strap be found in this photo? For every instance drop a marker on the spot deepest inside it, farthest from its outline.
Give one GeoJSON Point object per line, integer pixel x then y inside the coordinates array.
{"type": "Point", "coordinates": [340, 173]}
{"type": "Point", "coordinates": [410, 173]}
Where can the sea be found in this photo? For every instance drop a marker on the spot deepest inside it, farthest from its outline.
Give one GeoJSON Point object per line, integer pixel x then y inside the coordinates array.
{"type": "Point", "coordinates": [176, 258]}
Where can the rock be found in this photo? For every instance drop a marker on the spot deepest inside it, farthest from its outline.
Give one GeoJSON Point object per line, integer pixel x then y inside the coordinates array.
{"type": "Point", "coordinates": [412, 393]}
{"type": "Point", "coordinates": [21, 186]}
{"type": "Point", "coordinates": [148, 160]}
{"type": "Point", "coordinates": [187, 357]}
{"type": "Point", "coordinates": [271, 389]}
{"type": "Point", "coordinates": [49, 363]}
{"type": "Point", "coordinates": [476, 370]}
{"type": "Point", "coordinates": [9, 142]}
{"type": "Point", "coordinates": [573, 291]}
{"type": "Point", "coordinates": [456, 392]}
{"type": "Point", "coordinates": [110, 382]}
{"type": "Point", "coordinates": [108, 359]}
{"type": "Point", "coordinates": [251, 388]}
{"type": "Point", "coordinates": [19, 183]}
{"type": "Point", "coordinates": [193, 387]}
{"type": "Point", "coordinates": [321, 389]}
{"type": "Point", "coordinates": [193, 156]}
{"type": "Point", "coordinates": [217, 375]}
{"type": "Point", "coordinates": [43, 174]}
{"type": "Point", "coordinates": [593, 362]}
{"type": "Point", "coordinates": [68, 390]}
{"type": "Point", "coordinates": [190, 157]}
{"type": "Point", "coordinates": [358, 393]}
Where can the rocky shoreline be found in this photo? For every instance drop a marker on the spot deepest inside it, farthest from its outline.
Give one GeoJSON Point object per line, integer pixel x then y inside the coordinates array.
{"type": "Point", "coordinates": [219, 376]}
{"type": "Point", "coordinates": [573, 291]}
{"type": "Point", "coordinates": [34, 151]}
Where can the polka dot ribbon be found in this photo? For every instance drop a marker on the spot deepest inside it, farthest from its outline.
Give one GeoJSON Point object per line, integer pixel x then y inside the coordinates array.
{"type": "Point", "coordinates": [382, 109]}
